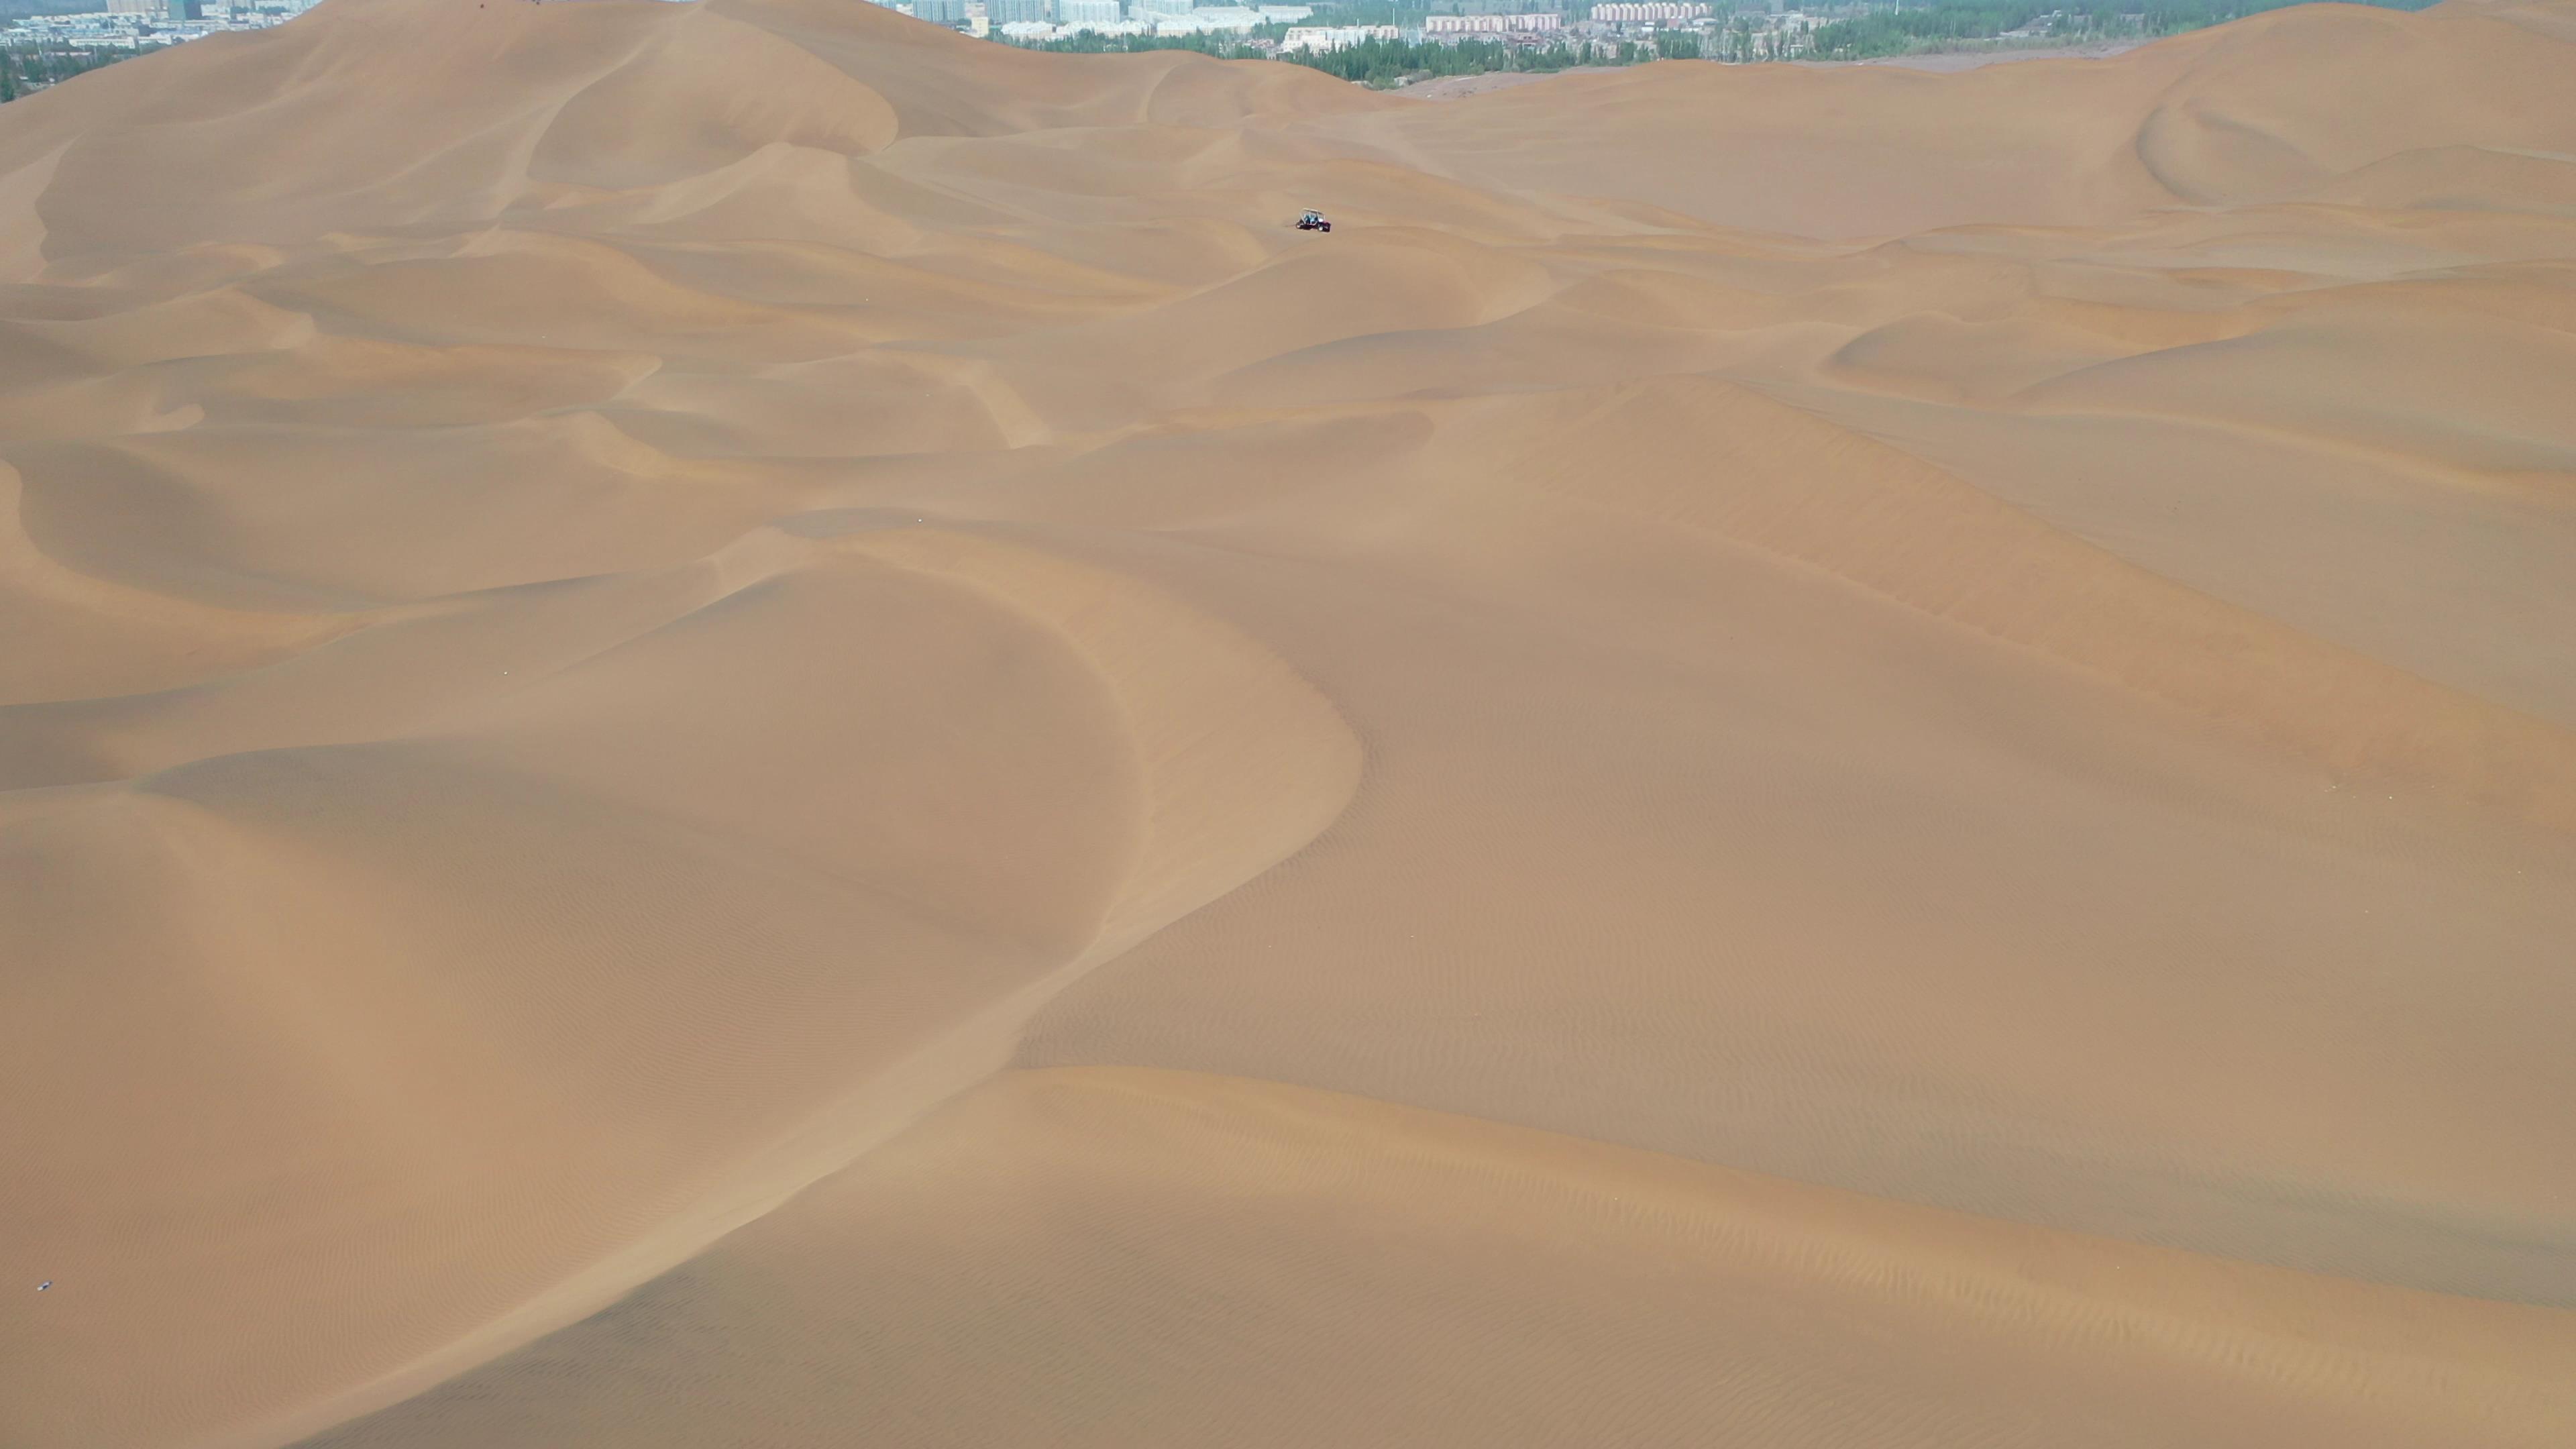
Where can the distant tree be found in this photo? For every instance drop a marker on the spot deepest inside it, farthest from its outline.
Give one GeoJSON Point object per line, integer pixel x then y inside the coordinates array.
{"type": "Point", "coordinates": [33, 67]}
{"type": "Point", "coordinates": [1950, 24]}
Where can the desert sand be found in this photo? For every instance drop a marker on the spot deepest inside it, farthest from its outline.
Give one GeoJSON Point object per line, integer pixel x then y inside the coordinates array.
{"type": "Point", "coordinates": [743, 724]}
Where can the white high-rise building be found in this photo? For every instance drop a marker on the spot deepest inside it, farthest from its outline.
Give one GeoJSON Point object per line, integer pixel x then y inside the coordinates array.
{"type": "Point", "coordinates": [1491, 24]}
{"type": "Point", "coordinates": [1086, 12]}
{"type": "Point", "coordinates": [1333, 37]}
{"type": "Point", "coordinates": [1622, 13]}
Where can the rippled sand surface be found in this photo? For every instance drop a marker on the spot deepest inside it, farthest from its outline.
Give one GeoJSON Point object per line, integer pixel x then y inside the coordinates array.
{"type": "Point", "coordinates": [741, 724]}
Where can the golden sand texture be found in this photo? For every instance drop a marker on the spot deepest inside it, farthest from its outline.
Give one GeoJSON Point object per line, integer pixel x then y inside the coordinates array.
{"type": "Point", "coordinates": [740, 723]}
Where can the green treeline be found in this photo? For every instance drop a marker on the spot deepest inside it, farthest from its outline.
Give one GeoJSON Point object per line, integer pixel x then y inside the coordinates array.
{"type": "Point", "coordinates": [1382, 63]}
{"type": "Point", "coordinates": [1923, 25]}
{"type": "Point", "coordinates": [1090, 42]}
{"type": "Point", "coordinates": [1938, 24]}
{"type": "Point", "coordinates": [32, 67]}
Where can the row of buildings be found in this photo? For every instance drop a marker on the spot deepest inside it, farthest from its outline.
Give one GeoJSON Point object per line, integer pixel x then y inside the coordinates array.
{"type": "Point", "coordinates": [1521, 24]}
{"type": "Point", "coordinates": [1333, 37]}
{"type": "Point", "coordinates": [219, 12]}
{"type": "Point", "coordinates": [143, 24]}
{"type": "Point", "coordinates": [1654, 12]}
{"type": "Point", "coordinates": [1027, 19]}
{"type": "Point", "coordinates": [1436, 26]}
{"type": "Point", "coordinates": [1172, 17]}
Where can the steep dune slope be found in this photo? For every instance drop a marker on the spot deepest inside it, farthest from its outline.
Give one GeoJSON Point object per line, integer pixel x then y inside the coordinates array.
{"type": "Point", "coordinates": [1777, 757]}
{"type": "Point", "coordinates": [680, 953]}
{"type": "Point", "coordinates": [1121, 1254]}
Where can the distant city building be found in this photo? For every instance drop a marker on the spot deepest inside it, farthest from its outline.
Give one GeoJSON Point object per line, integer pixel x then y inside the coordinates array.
{"type": "Point", "coordinates": [940, 12]}
{"type": "Point", "coordinates": [1491, 24]}
{"type": "Point", "coordinates": [1284, 14]}
{"type": "Point", "coordinates": [1015, 12]}
{"type": "Point", "coordinates": [1211, 20]}
{"type": "Point", "coordinates": [1226, 17]}
{"type": "Point", "coordinates": [1086, 13]}
{"type": "Point", "coordinates": [1333, 37]}
{"type": "Point", "coordinates": [1153, 9]}
{"type": "Point", "coordinates": [1627, 12]}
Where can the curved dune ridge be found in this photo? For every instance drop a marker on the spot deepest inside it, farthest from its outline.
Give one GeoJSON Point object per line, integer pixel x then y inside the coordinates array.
{"type": "Point", "coordinates": [737, 722]}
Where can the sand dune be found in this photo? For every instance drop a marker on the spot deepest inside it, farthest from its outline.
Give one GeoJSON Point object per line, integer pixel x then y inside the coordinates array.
{"type": "Point", "coordinates": [740, 723]}
{"type": "Point", "coordinates": [1112, 1253]}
